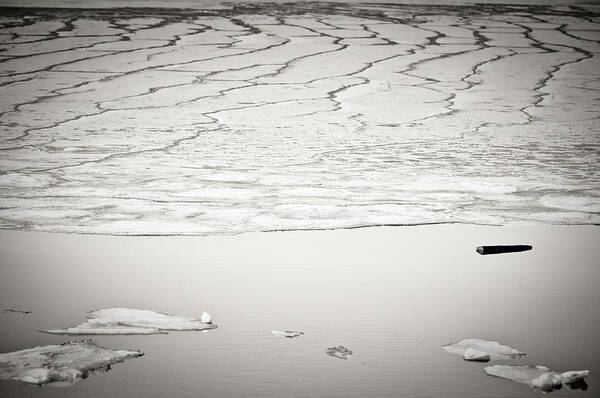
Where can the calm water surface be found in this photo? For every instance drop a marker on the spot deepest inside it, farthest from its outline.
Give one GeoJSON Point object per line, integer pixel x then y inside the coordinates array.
{"type": "Point", "coordinates": [391, 295]}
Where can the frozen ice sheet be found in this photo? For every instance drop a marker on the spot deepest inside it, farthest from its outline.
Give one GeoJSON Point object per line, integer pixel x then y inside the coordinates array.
{"type": "Point", "coordinates": [328, 116]}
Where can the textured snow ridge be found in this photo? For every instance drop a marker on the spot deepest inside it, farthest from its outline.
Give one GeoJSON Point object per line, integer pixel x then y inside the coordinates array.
{"type": "Point", "coordinates": [540, 377]}
{"type": "Point", "coordinates": [60, 364]}
{"type": "Point", "coordinates": [482, 350]}
{"type": "Point", "coordinates": [133, 321]}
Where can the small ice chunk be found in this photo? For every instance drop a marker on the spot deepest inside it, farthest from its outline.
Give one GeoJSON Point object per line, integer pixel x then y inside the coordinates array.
{"type": "Point", "coordinates": [472, 354]}
{"type": "Point", "coordinates": [287, 333]}
{"type": "Point", "coordinates": [133, 321]}
{"type": "Point", "coordinates": [205, 317]}
{"type": "Point", "coordinates": [540, 377]}
{"type": "Point", "coordinates": [340, 352]}
{"type": "Point", "coordinates": [495, 350]}
{"type": "Point", "coordinates": [60, 363]}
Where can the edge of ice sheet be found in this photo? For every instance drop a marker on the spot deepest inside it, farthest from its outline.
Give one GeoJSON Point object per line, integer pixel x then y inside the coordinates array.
{"type": "Point", "coordinates": [122, 321]}
{"type": "Point", "coordinates": [477, 349]}
{"type": "Point", "coordinates": [60, 364]}
{"type": "Point", "coordinates": [15, 311]}
{"type": "Point", "coordinates": [540, 377]}
{"type": "Point", "coordinates": [103, 327]}
{"type": "Point", "coordinates": [290, 334]}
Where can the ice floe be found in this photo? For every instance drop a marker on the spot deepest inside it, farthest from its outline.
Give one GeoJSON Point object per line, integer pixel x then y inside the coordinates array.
{"type": "Point", "coordinates": [60, 364]}
{"type": "Point", "coordinates": [134, 321]}
{"type": "Point", "coordinates": [286, 333]}
{"type": "Point", "coordinates": [340, 352]}
{"type": "Point", "coordinates": [540, 377]}
{"type": "Point", "coordinates": [482, 350]}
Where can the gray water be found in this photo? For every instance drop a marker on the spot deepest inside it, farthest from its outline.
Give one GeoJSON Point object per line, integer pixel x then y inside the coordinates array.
{"type": "Point", "coordinates": [393, 296]}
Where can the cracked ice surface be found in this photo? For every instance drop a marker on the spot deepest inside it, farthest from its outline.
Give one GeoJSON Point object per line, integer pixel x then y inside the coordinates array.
{"type": "Point", "coordinates": [255, 117]}
{"type": "Point", "coordinates": [60, 363]}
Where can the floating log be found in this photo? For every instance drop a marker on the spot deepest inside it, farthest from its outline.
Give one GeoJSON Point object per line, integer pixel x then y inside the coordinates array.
{"type": "Point", "coordinates": [502, 249]}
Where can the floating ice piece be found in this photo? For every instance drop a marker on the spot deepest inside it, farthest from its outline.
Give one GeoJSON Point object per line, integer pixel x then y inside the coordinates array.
{"type": "Point", "coordinates": [540, 377]}
{"type": "Point", "coordinates": [134, 321]}
{"type": "Point", "coordinates": [287, 333]}
{"type": "Point", "coordinates": [60, 364]}
{"type": "Point", "coordinates": [471, 349]}
{"type": "Point", "coordinates": [340, 352]}
{"type": "Point", "coordinates": [149, 319]}
{"type": "Point", "coordinates": [502, 249]}
{"type": "Point", "coordinates": [104, 327]}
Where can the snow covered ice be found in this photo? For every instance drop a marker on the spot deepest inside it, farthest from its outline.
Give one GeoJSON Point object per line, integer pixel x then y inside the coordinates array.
{"type": "Point", "coordinates": [474, 355]}
{"type": "Point", "coordinates": [135, 321]}
{"type": "Point", "coordinates": [482, 350]}
{"type": "Point", "coordinates": [540, 377]}
{"type": "Point", "coordinates": [60, 364]}
{"type": "Point", "coordinates": [286, 333]}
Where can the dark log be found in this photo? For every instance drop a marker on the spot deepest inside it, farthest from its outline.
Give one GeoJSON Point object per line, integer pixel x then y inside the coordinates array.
{"type": "Point", "coordinates": [502, 249]}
